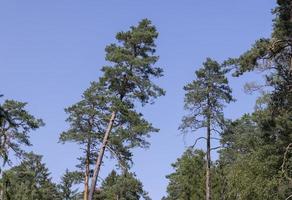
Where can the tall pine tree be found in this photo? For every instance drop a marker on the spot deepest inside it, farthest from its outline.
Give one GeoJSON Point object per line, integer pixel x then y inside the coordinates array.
{"type": "Point", "coordinates": [204, 99]}
{"type": "Point", "coordinates": [124, 85]}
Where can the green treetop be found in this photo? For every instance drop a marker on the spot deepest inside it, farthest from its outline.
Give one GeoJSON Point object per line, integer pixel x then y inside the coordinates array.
{"type": "Point", "coordinates": [205, 97]}
{"type": "Point", "coordinates": [129, 77]}
{"type": "Point", "coordinates": [66, 187]}
{"type": "Point", "coordinates": [187, 182]}
{"type": "Point", "coordinates": [122, 187]}
{"type": "Point", "coordinates": [29, 180]}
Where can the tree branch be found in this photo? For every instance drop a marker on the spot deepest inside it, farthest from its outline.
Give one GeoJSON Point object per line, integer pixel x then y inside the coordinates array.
{"type": "Point", "coordinates": [284, 163]}
{"type": "Point", "coordinates": [212, 138]}
{"type": "Point", "coordinates": [216, 148]}
{"type": "Point", "coordinates": [117, 156]}
{"type": "Point", "coordinates": [288, 197]}
{"type": "Point", "coordinates": [197, 141]}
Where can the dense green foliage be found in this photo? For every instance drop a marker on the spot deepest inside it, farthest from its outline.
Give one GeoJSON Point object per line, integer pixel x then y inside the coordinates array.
{"type": "Point", "coordinates": [123, 187]}
{"type": "Point", "coordinates": [255, 161]}
{"type": "Point", "coordinates": [66, 187]}
{"type": "Point", "coordinates": [187, 182]}
{"type": "Point", "coordinates": [28, 181]}
{"type": "Point", "coordinates": [129, 77]}
{"type": "Point", "coordinates": [255, 153]}
{"type": "Point", "coordinates": [255, 144]}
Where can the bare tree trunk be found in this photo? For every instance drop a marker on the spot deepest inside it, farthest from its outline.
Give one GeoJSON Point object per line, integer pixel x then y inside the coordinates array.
{"type": "Point", "coordinates": [86, 179]}
{"type": "Point", "coordinates": [100, 156]}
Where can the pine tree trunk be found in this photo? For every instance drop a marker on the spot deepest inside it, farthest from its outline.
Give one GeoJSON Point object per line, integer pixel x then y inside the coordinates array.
{"type": "Point", "coordinates": [85, 196]}
{"type": "Point", "coordinates": [208, 183]}
{"type": "Point", "coordinates": [100, 156]}
{"type": "Point", "coordinates": [86, 179]}
{"type": "Point", "coordinates": [208, 153]}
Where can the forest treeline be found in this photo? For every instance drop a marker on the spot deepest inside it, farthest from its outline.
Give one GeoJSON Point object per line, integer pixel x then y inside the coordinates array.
{"type": "Point", "coordinates": [254, 153]}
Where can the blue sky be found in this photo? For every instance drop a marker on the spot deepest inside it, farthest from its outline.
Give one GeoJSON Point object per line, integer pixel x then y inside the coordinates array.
{"type": "Point", "coordinates": [51, 50]}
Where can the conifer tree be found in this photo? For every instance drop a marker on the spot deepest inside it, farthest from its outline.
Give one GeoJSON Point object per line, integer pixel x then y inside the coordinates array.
{"type": "Point", "coordinates": [187, 182]}
{"type": "Point", "coordinates": [125, 84]}
{"type": "Point", "coordinates": [121, 187]}
{"type": "Point", "coordinates": [15, 128]}
{"type": "Point", "coordinates": [274, 56]}
{"type": "Point", "coordinates": [68, 180]}
{"type": "Point", "coordinates": [255, 145]}
{"type": "Point", "coordinates": [204, 99]}
{"type": "Point", "coordinates": [88, 119]}
{"type": "Point", "coordinates": [29, 180]}
{"type": "Point", "coordinates": [86, 129]}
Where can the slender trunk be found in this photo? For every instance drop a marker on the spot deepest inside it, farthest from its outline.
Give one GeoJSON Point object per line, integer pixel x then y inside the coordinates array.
{"type": "Point", "coordinates": [100, 156]}
{"type": "Point", "coordinates": [208, 175]}
{"type": "Point", "coordinates": [208, 153]}
{"type": "Point", "coordinates": [86, 179]}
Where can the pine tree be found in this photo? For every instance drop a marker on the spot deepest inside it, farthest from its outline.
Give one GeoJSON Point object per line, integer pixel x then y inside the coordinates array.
{"type": "Point", "coordinates": [68, 180]}
{"type": "Point", "coordinates": [121, 187]}
{"type": "Point", "coordinates": [204, 99]}
{"type": "Point", "coordinates": [14, 132]}
{"type": "Point", "coordinates": [29, 180]}
{"type": "Point", "coordinates": [113, 99]}
{"type": "Point", "coordinates": [273, 56]}
{"type": "Point", "coordinates": [249, 161]}
{"type": "Point", "coordinates": [86, 120]}
{"type": "Point", "coordinates": [187, 182]}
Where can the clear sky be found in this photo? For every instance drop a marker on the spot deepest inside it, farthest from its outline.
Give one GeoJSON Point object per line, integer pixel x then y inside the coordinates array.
{"type": "Point", "coordinates": [51, 50]}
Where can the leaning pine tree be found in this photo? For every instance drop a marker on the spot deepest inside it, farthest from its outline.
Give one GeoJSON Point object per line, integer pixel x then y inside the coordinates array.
{"type": "Point", "coordinates": [124, 84]}
{"type": "Point", "coordinates": [88, 120]}
{"type": "Point", "coordinates": [204, 99]}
